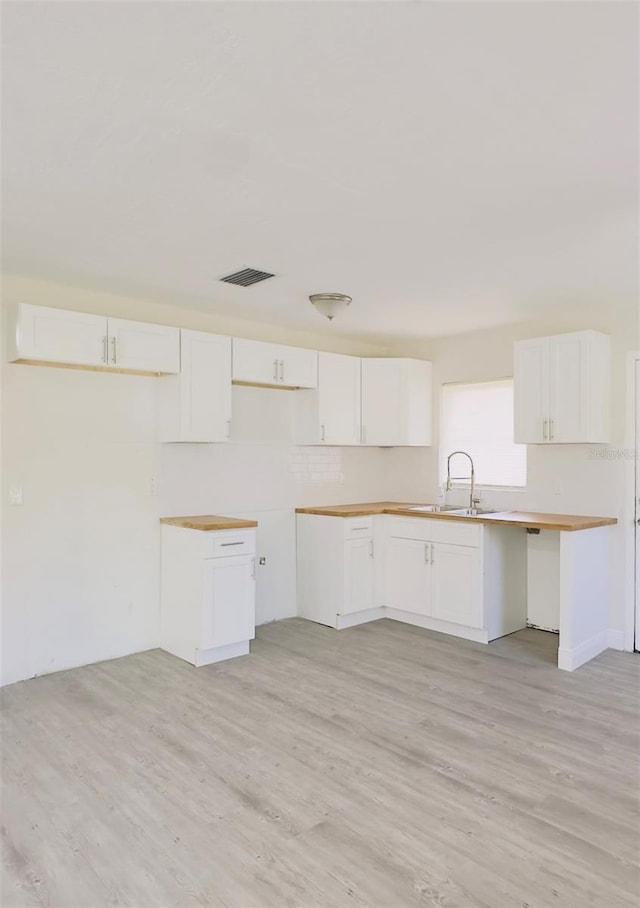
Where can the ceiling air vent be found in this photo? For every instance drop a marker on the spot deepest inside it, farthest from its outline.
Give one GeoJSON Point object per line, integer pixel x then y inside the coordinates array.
{"type": "Point", "coordinates": [246, 277]}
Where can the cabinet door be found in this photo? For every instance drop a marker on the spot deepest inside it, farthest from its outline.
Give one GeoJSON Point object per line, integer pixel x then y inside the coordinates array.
{"type": "Point", "coordinates": [455, 584]}
{"type": "Point", "coordinates": [568, 389]}
{"type": "Point", "coordinates": [358, 575]}
{"type": "Point", "coordinates": [408, 575]}
{"type": "Point", "coordinates": [61, 336]}
{"type": "Point", "coordinates": [197, 402]}
{"type": "Point", "coordinates": [143, 347]}
{"type": "Point", "coordinates": [228, 612]}
{"type": "Point", "coordinates": [383, 402]}
{"type": "Point", "coordinates": [298, 368]}
{"type": "Point", "coordinates": [255, 362]}
{"type": "Point", "coordinates": [530, 391]}
{"type": "Point", "coordinates": [339, 399]}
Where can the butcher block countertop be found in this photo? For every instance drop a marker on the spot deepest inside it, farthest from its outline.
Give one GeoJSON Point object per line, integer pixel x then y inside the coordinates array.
{"type": "Point", "coordinates": [526, 519]}
{"type": "Point", "coordinates": [209, 522]}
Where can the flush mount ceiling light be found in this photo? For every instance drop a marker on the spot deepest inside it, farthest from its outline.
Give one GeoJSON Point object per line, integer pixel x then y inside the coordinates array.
{"type": "Point", "coordinates": [330, 304]}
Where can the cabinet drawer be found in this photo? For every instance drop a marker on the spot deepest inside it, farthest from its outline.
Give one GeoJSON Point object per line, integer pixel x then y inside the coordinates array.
{"type": "Point", "coordinates": [454, 532]}
{"type": "Point", "coordinates": [358, 527]}
{"type": "Point", "coordinates": [223, 543]}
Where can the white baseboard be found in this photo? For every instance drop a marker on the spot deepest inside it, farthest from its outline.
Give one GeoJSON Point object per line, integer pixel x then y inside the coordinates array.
{"type": "Point", "coordinates": [571, 659]}
{"type": "Point", "coordinates": [478, 635]}
{"type": "Point", "coordinates": [221, 653]}
{"type": "Point", "coordinates": [370, 614]}
{"type": "Point", "coordinates": [616, 639]}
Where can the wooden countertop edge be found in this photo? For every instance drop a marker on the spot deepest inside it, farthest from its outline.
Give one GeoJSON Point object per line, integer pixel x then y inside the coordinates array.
{"type": "Point", "coordinates": [566, 523]}
{"type": "Point", "coordinates": [208, 524]}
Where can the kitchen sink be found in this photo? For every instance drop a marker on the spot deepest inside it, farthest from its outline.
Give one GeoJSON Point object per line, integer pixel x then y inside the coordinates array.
{"type": "Point", "coordinates": [471, 512]}
{"type": "Point", "coordinates": [432, 508]}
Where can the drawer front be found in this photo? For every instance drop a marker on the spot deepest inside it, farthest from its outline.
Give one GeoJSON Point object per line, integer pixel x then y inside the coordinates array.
{"type": "Point", "coordinates": [456, 532]}
{"type": "Point", "coordinates": [358, 527]}
{"type": "Point", "coordinates": [223, 543]}
{"type": "Point", "coordinates": [453, 532]}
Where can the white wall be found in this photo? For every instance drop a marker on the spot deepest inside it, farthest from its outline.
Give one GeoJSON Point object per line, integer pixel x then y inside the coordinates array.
{"type": "Point", "coordinates": [570, 479]}
{"type": "Point", "coordinates": [80, 557]}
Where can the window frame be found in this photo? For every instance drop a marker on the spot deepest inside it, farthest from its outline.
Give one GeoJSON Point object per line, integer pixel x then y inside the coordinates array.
{"type": "Point", "coordinates": [442, 458]}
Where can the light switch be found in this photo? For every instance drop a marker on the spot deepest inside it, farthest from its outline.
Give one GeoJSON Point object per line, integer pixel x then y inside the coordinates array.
{"type": "Point", "coordinates": [15, 495]}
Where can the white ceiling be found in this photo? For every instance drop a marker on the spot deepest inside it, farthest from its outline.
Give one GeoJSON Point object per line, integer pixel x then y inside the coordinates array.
{"type": "Point", "coordinates": [452, 166]}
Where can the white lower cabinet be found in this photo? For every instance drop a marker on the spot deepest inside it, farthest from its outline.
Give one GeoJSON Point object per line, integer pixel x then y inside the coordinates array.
{"type": "Point", "coordinates": [408, 577]}
{"type": "Point", "coordinates": [337, 568]}
{"type": "Point", "coordinates": [359, 575]}
{"type": "Point", "coordinates": [435, 579]}
{"type": "Point", "coordinates": [457, 577]}
{"type": "Point", "coordinates": [456, 584]}
{"type": "Point", "coordinates": [228, 614]}
{"type": "Point", "coordinates": [207, 593]}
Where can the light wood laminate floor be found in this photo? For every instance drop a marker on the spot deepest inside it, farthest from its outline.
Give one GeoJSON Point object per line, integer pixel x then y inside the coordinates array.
{"type": "Point", "coordinates": [382, 766]}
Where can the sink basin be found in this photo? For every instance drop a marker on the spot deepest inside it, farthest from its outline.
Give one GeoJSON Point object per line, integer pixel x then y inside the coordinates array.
{"type": "Point", "coordinates": [472, 512]}
{"type": "Point", "coordinates": [432, 508]}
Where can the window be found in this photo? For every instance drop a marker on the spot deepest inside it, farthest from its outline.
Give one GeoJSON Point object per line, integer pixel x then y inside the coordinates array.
{"type": "Point", "coordinates": [478, 418]}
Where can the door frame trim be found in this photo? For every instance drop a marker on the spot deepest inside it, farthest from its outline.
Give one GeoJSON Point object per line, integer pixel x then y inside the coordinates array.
{"type": "Point", "coordinates": [631, 509]}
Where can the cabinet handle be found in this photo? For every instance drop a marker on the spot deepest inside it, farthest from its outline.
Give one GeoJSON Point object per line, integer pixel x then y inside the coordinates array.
{"type": "Point", "coordinates": [224, 545]}
{"type": "Point", "coordinates": [229, 428]}
{"type": "Point", "coordinates": [431, 553]}
{"type": "Point", "coordinates": [113, 350]}
{"type": "Point", "coordinates": [426, 553]}
{"type": "Point", "coordinates": [321, 433]}
{"type": "Point", "coordinates": [275, 370]}
{"type": "Point", "coordinates": [371, 548]}
{"type": "Point", "coordinates": [550, 430]}
{"type": "Point", "coordinates": [282, 370]}
{"type": "Point", "coordinates": [359, 528]}
{"type": "Point", "coordinates": [253, 568]}
{"type": "Point", "coordinates": [545, 429]}
{"type": "Point", "coordinates": [105, 349]}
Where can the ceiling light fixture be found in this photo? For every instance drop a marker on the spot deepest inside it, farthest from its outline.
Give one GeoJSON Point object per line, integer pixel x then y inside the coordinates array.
{"type": "Point", "coordinates": [330, 304]}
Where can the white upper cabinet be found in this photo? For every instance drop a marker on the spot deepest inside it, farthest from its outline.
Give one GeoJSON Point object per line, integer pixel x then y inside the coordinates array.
{"type": "Point", "coordinates": [260, 363]}
{"type": "Point", "coordinates": [255, 362]}
{"type": "Point", "coordinates": [59, 336]}
{"type": "Point", "coordinates": [195, 406]}
{"type": "Point", "coordinates": [331, 414]}
{"type": "Point", "coordinates": [143, 347]}
{"type": "Point", "coordinates": [562, 389]}
{"type": "Point", "coordinates": [396, 402]}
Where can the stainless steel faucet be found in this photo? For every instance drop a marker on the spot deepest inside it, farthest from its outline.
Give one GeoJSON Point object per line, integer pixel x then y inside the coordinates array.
{"type": "Point", "coordinates": [472, 498]}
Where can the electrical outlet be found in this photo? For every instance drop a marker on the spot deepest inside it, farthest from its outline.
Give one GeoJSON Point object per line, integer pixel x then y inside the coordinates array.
{"type": "Point", "coordinates": [15, 495]}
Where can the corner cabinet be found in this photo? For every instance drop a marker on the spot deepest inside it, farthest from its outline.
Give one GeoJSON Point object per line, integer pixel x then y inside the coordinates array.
{"type": "Point", "coordinates": [80, 340]}
{"type": "Point", "coordinates": [207, 593]}
{"type": "Point", "coordinates": [195, 406]}
{"type": "Point", "coordinates": [562, 389]}
{"type": "Point", "coordinates": [396, 402]}
{"type": "Point", "coordinates": [273, 365]}
{"type": "Point", "coordinates": [330, 415]}
{"type": "Point", "coordinates": [339, 572]}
